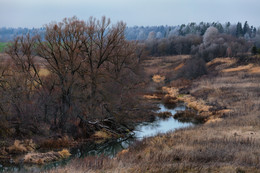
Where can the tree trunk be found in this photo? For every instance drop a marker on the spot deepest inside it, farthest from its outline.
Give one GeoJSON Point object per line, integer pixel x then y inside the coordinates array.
{"type": "Point", "coordinates": [65, 106]}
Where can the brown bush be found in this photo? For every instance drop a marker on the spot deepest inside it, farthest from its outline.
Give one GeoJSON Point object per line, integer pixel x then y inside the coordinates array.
{"type": "Point", "coordinates": [170, 102]}
{"type": "Point", "coordinates": [181, 83]}
{"type": "Point", "coordinates": [189, 116]}
{"type": "Point", "coordinates": [164, 114]}
{"type": "Point", "coordinates": [193, 68]}
{"type": "Point", "coordinates": [63, 142]}
{"type": "Point", "coordinates": [5, 130]}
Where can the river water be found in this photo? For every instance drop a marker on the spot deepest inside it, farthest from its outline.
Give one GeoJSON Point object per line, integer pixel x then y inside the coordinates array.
{"type": "Point", "coordinates": [112, 147]}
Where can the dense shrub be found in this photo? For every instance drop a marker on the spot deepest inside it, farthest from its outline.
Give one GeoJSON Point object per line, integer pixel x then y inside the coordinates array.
{"type": "Point", "coordinates": [193, 68]}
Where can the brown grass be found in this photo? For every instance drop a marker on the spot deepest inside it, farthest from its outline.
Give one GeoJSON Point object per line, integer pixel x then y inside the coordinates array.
{"type": "Point", "coordinates": [153, 96]}
{"type": "Point", "coordinates": [63, 142]}
{"type": "Point", "coordinates": [239, 68]}
{"type": "Point", "coordinates": [41, 158]}
{"type": "Point", "coordinates": [64, 153]}
{"type": "Point", "coordinates": [22, 146]}
{"type": "Point", "coordinates": [179, 67]}
{"type": "Point", "coordinates": [163, 65]}
{"type": "Point", "coordinates": [103, 134]}
{"type": "Point", "coordinates": [180, 83]}
{"type": "Point", "coordinates": [255, 70]}
{"type": "Point", "coordinates": [158, 78]}
{"type": "Point", "coordinates": [222, 61]}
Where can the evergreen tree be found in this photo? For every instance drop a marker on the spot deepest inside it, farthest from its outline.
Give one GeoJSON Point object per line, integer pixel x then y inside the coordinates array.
{"type": "Point", "coordinates": [239, 30]}
{"type": "Point", "coordinates": [254, 32]}
{"type": "Point", "coordinates": [254, 50]}
{"type": "Point", "coordinates": [246, 28]}
{"type": "Point", "coordinates": [227, 27]}
{"type": "Point", "coordinates": [219, 27]}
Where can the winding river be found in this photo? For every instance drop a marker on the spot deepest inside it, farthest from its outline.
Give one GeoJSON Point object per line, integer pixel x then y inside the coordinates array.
{"type": "Point", "coordinates": [112, 147]}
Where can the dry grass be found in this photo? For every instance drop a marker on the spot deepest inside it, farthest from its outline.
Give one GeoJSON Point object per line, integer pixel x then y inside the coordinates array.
{"type": "Point", "coordinates": [191, 101]}
{"type": "Point", "coordinates": [197, 104]}
{"type": "Point", "coordinates": [180, 83]}
{"type": "Point", "coordinates": [239, 68]}
{"type": "Point", "coordinates": [179, 67]}
{"type": "Point", "coordinates": [222, 62]}
{"type": "Point", "coordinates": [41, 158]}
{"type": "Point", "coordinates": [153, 96]}
{"type": "Point", "coordinates": [103, 134]}
{"type": "Point", "coordinates": [158, 78]}
{"type": "Point", "coordinates": [64, 153]}
{"type": "Point", "coordinates": [200, 149]}
{"type": "Point", "coordinates": [255, 70]}
{"type": "Point", "coordinates": [163, 65]}
{"type": "Point", "coordinates": [22, 146]}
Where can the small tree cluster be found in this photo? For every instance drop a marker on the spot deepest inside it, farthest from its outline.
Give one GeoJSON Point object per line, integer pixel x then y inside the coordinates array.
{"type": "Point", "coordinates": [175, 45]}
{"type": "Point", "coordinates": [220, 45]}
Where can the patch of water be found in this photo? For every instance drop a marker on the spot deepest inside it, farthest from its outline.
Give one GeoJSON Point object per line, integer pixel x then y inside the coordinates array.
{"type": "Point", "coordinates": [160, 125]}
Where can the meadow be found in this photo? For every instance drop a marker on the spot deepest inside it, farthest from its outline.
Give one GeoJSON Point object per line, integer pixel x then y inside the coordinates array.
{"type": "Point", "coordinates": [3, 45]}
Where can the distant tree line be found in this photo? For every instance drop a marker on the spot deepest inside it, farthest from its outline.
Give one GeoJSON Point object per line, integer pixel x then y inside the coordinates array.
{"type": "Point", "coordinates": [144, 33]}
{"type": "Point", "coordinates": [201, 48]}
{"type": "Point", "coordinates": [211, 44]}
{"type": "Point", "coordinates": [237, 30]}
{"type": "Point", "coordinates": [8, 34]}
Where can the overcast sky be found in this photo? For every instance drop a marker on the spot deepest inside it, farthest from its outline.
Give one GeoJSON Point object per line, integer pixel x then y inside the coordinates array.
{"type": "Point", "coordinates": [36, 13]}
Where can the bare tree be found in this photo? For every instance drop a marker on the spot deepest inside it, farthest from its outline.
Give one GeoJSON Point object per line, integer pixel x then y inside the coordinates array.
{"type": "Point", "coordinates": [21, 82]}
{"type": "Point", "coordinates": [61, 50]}
{"type": "Point", "coordinates": [106, 53]}
{"type": "Point", "coordinates": [84, 59]}
{"type": "Point", "coordinates": [210, 34]}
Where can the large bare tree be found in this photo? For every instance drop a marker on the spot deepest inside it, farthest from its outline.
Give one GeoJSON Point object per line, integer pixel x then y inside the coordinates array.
{"type": "Point", "coordinates": [84, 59]}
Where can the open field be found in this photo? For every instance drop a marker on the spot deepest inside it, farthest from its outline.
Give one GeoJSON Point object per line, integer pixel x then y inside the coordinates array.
{"type": "Point", "coordinates": [3, 45]}
{"type": "Point", "coordinates": [228, 142]}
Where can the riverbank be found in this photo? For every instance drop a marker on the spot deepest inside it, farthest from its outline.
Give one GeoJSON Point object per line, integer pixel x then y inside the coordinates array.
{"type": "Point", "coordinates": [35, 161]}
{"type": "Point", "coordinates": [227, 142]}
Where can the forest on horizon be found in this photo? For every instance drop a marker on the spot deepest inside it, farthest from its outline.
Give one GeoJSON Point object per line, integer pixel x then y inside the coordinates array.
{"type": "Point", "coordinates": [141, 33]}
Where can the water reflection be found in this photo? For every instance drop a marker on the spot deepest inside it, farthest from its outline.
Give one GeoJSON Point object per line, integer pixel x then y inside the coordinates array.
{"type": "Point", "coordinates": [160, 125]}
{"type": "Point", "coordinates": [109, 148]}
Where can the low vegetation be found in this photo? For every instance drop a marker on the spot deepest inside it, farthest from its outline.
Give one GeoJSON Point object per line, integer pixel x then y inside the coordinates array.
{"type": "Point", "coordinates": [42, 158]}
